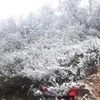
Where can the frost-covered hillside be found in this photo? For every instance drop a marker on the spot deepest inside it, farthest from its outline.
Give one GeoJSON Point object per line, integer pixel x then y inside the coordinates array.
{"type": "Point", "coordinates": [54, 46]}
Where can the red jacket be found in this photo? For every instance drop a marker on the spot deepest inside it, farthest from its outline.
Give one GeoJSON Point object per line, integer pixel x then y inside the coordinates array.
{"type": "Point", "coordinates": [43, 88]}
{"type": "Point", "coordinates": [72, 92]}
{"type": "Point", "coordinates": [46, 92]}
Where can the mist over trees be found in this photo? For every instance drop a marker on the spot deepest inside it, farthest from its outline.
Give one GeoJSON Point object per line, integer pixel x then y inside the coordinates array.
{"type": "Point", "coordinates": [52, 41]}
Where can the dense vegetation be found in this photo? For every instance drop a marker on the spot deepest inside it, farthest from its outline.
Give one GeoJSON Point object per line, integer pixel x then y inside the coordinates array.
{"type": "Point", "coordinates": [53, 45]}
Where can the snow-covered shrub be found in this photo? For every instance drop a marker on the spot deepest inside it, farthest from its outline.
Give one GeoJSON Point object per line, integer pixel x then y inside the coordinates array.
{"type": "Point", "coordinates": [93, 32]}
{"type": "Point", "coordinates": [84, 57]}
{"type": "Point", "coordinates": [11, 55]}
{"type": "Point", "coordinates": [76, 33]}
{"type": "Point", "coordinates": [12, 42]}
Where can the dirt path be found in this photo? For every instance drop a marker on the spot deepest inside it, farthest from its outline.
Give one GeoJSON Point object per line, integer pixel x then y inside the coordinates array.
{"type": "Point", "coordinates": [93, 82]}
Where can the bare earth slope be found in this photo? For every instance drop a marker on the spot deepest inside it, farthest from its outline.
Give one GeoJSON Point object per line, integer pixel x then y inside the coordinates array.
{"type": "Point", "coordinates": [92, 88]}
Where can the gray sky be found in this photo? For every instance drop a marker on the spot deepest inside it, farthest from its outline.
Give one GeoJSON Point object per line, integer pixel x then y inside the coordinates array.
{"type": "Point", "coordinates": [17, 7]}
{"type": "Point", "coordinates": [23, 7]}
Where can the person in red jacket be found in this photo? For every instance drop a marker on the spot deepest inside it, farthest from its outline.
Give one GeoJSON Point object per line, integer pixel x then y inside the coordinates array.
{"type": "Point", "coordinates": [70, 94]}
{"type": "Point", "coordinates": [47, 93]}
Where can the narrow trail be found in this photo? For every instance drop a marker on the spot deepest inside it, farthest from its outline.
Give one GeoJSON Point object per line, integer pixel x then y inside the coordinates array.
{"type": "Point", "coordinates": [93, 82]}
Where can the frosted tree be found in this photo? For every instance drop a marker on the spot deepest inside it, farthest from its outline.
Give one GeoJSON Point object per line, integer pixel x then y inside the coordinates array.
{"type": "Point", "coordinates": [95, 20]}
{"type": "Point", "coordinates": [68, 11]}
{"type": "Point", "coordinates": [90, 7]}
{"type": "Point", "coordinates": [7, 26]}
{"type": "Point", "coordinates": [32, 21]}
{"type": "Point", "coordinates": [12, 28]}
{"type": "Point", "coordinates": [22, 23]}
{"type": "Point", "coordinates": [46, 16]}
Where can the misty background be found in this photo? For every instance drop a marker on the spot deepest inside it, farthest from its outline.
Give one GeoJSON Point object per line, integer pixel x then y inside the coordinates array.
{"type": "Point", "coordinates": [56, 43]}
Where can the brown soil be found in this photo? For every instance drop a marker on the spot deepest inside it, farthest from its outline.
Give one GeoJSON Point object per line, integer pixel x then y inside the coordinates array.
{"type": "Point", "coordinates": [93, 82]}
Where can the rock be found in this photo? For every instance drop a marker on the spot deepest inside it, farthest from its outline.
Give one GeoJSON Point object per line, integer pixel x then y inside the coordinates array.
{"type": "Point", "coordinates": [91, 84]}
